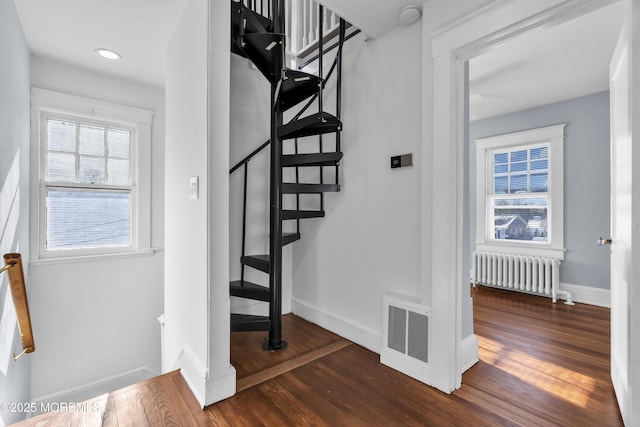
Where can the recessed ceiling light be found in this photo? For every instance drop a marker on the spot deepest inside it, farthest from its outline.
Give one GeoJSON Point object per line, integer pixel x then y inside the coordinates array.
{"type": "Point", "coordinates": [108, 53]}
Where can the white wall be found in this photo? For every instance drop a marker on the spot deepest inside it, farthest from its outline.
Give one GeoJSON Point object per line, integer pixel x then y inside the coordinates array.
{"type": "Point", "coordinates": [368, 244]}
{"type": "Point", "coordinates": [14, 201]}
{"type": "Point", "coordinates": [371, 241]}
{"type": "Point", "coordinates": [221, 379]}
{"type": "Point", "coordinates": [185, 307]}
{"type": "Point", "coordinates": [196, 232]}
{"type": "Point", "coordinates": [95, 320]}
{"type": "Point", "coordinates": [250, 100]}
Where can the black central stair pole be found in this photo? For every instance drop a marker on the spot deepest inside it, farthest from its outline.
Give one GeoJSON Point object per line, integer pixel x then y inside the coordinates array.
{"type": "Point", "coordinates": [341, 37]}
{"type": "Point", "coordinates": [275, 341]}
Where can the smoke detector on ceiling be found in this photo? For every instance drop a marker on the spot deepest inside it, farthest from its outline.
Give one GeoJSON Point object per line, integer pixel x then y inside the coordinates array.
{"type": "Point", "coordinates": [409, 15]}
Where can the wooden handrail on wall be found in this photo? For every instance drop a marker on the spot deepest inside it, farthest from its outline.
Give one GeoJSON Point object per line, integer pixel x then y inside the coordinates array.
{"type": "Point", "coordinates": [13, 265]}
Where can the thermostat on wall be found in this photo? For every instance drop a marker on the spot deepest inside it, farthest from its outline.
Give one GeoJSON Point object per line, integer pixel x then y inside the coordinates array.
{"type": "Point", "coordinates": [402, 161]}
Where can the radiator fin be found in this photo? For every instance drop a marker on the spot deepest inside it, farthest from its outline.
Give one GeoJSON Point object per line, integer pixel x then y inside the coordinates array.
{"type": "Point", "coordinates": [517, 272]}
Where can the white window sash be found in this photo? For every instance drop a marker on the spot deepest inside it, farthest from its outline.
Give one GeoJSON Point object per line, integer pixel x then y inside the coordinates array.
{"type": "Point", "coordinates": [553, 136]}
{"type": "Point", "coordinates": [47, 115]}
{"type": "Point", "coordinates": [490, 190]}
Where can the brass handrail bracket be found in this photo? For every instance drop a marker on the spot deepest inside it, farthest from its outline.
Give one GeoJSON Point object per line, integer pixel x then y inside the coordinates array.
{"type": "Point", "coordinates": [13, 265]}
{"type": "Point", "coordinates": [8, 266]}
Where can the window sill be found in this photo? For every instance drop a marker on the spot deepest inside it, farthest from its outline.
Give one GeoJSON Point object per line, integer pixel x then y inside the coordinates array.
{"type": "Point", "coordinates": [93, 258]}
{"type": "Point", "coordinates": [517, 248]}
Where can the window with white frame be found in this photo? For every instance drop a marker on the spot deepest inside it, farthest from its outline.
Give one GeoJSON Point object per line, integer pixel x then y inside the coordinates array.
{"type": "Point", "coordinates": [90, 196]}
{"type": "Point", "coordinates": [87, 185]}
{"type": "Point", "coordinates": [520, 191]}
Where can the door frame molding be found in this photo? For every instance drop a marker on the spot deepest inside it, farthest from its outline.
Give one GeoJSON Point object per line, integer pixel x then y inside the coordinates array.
{"type": "Point", "coordinates": [486, 29]}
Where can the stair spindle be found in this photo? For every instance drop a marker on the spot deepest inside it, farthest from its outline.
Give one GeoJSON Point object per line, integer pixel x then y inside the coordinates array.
{"type": "Point", "coordinates": [304, 30]}
{"type": "Point", "coordinates": [244, 217]}
{"type": "Point", "coordinates": [327, 21]}
{"type": "Point", "coordinates": [297, 182]}
{"type": "Point", "coordinates": [334, 20]}
{"type": "Point", "coordinates": [320, 63]}
{"type": "Point", "coordinates": [312, 26]}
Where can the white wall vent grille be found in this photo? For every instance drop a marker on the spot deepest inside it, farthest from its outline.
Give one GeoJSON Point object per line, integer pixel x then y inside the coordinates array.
{"type": "Point", "coordinates": [406, 336]}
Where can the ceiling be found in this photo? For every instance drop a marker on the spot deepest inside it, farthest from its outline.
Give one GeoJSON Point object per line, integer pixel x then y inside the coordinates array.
{"type": "Point", "coordinates": [71, 30]}
{"type": "Point", "coordinates": [563, 62]}
{"type": "Point", "coordinates": [373, 17]}
{"type": "Point", "coordinates": [560, 63]}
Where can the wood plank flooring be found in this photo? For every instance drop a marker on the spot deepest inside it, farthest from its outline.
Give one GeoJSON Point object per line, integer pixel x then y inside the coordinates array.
{"type": "Point", "coordinates": [161, 401]}
{"type": "Point", "coordinates": [540, 365]}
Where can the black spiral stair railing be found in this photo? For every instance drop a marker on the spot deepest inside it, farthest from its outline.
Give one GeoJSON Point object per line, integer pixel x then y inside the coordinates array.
{"type": "Point", "coordinates": [262, 40]}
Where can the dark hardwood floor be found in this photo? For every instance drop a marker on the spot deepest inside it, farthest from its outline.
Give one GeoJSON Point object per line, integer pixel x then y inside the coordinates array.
{"type": "Point", "coordinates": [540, 365]}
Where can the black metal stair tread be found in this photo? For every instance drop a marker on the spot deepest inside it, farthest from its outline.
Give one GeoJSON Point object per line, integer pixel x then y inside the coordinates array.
{"type": "Point", "coordinates": [247, 323]}
{"type": "Point", "coordinates": [295, 188]}
{"type": "Point", "coordinates": [245, 289]}
{"type": "Point", "coordinates": [315, 124]}
{"type": "Point", "coordinates": [298, 86]}
{"type": "Point", "coordinates": [312, 159]}
{"type": "Point", "coordinates": [296, 214]}
{"type": "Point", "coordinates": [256, 23]}
{"type": "Point", "coordinates": [236, 22]}
{"type": "Point", "coordinates": [259, 262]}
{"type": "Point", "coordinates": [289, 238]}
{"type": "Point", "coordinates": [266, 51]}
{"type": "Point", "coordinates": [242, 16]}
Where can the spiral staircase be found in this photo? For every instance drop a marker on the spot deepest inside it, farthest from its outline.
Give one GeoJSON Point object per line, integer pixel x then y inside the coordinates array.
{"type": "Point", "coordinates": [262, 40]}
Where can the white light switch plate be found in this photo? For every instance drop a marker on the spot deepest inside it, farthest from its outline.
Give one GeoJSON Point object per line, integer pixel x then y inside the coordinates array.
{"type": "Point", "coordinates": [193, 188]}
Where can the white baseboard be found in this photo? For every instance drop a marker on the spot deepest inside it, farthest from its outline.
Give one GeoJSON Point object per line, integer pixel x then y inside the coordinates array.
{"type": "Point", "coordinates": [221, 387]}
{"type": "Point", "coordinates": [206, 390]}
{"type": "Point", "coordinates": [588, 295]}
{"type": "Point", "coordinates": [96, 388]}
{"type": "Point", "coordinates": [193, 372]}
{"type": "Point", "coordinates": [255, 308]}
{"type": "Point", "coordinates": [469, 353]}
{"type": "Point", "coordinates": [579, 293]}
{"type": "Point", "coordinates": [245, 306]}
{"type": "Point", "coordinates": [361, 335]}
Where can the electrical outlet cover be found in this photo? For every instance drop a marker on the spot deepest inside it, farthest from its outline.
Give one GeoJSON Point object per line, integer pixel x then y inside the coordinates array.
{"type": "Point", "coordinates": [193, 188]}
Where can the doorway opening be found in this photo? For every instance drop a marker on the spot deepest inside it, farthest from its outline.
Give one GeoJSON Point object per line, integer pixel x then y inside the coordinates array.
{"type": "Point", "coordinates": [514, 204]}
{"type": "Point", "coordinates": [483, 31]}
